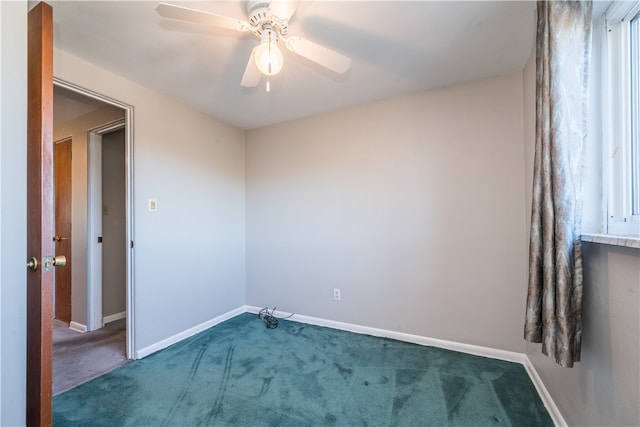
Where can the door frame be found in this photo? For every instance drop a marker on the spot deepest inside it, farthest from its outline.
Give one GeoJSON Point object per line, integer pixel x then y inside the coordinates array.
{"type": "Point", "coordinates": [94, 213]}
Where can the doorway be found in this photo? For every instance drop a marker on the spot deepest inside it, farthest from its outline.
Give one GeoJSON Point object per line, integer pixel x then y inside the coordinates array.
{"type": "Point", "coordinates": [99, 116]}
{"type": "Point", "coordinates": [114, 233]}
{"type": "Point", "coordinates": [107, 234]}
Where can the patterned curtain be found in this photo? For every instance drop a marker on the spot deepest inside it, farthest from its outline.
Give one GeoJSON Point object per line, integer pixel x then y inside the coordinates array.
{"type": "Point", "coordinates": [554, 299]}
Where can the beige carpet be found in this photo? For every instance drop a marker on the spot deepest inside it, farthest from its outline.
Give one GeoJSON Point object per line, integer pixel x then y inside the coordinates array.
{"type": "Point", "coordinates": [80, 357]}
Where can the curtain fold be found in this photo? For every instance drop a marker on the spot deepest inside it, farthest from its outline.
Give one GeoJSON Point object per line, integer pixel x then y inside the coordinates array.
{"type": "Point", "coordinates": [554, 298]}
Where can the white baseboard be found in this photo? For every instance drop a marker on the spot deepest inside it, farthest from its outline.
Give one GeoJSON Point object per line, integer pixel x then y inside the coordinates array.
{"type": "Point", "coordinates": [554, 412]}
{"type": "Point", "coordinates": [187, 333]}
{"type": "Point", "coordinates": [493, 353]}
{"type": "Point", "coordinates": [78, 327]}
{"type": "Point", "coordinates": [113, 317]}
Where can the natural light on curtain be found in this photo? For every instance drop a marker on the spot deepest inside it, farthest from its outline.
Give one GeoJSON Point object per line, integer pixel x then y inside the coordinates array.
{"type": "Point", "coordinates": [554, 299]}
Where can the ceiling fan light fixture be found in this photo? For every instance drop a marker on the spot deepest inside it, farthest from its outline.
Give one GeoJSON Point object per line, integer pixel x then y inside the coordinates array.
{"type": "Point", "coordinates": [268, 56]}
{"type": "Point", "coordinates": [268, 20]}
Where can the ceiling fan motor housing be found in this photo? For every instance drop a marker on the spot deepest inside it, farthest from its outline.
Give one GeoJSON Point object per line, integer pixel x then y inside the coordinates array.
{"type": "Point", "coordinates": [259, 15]}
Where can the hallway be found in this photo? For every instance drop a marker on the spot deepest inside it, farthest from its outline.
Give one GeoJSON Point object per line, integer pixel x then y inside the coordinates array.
{"type": "Point", "coordinates": [80, 357]}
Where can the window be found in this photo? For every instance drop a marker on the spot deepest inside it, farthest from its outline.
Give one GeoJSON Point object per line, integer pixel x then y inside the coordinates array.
{"type": "Point", "coordinates": [635, 114]}
{"type": "Point", "coordinates": [621, 113]}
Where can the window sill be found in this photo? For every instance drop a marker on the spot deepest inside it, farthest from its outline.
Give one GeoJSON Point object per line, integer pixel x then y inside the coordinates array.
{"type": "Point", "coordinates": [608, 239]}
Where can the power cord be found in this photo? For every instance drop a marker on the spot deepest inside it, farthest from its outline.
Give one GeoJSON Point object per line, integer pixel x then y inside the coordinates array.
{"type": "Point", "coordinates": [270, 321]}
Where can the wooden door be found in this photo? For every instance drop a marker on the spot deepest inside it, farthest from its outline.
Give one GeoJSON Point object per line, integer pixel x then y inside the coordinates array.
{"type": "Point", "coordinates": [62, 239]}
{"type": "Point", "coordinates": [39, 213]}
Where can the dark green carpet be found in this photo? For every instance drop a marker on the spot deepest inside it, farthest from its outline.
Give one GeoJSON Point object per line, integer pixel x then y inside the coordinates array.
{"type": "Point", "coordinates": [240, 373]}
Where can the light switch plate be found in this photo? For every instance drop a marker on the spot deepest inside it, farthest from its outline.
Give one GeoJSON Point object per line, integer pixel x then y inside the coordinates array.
{"type": "Point", "coordinates": [153, 205]}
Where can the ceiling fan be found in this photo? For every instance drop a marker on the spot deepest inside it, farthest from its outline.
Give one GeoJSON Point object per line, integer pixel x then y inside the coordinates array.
{"type": "Point", "coordinates": [268, 20]}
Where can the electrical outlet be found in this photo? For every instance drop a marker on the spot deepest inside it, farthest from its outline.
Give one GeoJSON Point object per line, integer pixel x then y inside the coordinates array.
{"type": "Point", "coordinates": [336, 294]}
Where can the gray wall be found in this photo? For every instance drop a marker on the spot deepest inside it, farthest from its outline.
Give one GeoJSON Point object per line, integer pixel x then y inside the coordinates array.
{"type": "Point", "coordinates": [603, 388]}
{"type": "Point", "coordinates": [412, 206]}
{"type": "Point", "coordinates": [189, 255]}
{"type": "Point", "coordinates": [114, 230]}
{"type": "Point", "coordinates": [13, 176]}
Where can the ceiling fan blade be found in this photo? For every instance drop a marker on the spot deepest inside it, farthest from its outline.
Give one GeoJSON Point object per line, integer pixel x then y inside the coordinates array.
{"type": "Point", "coordinates": [172, 11]}
{"type": "Point", "coordinates": [319, 54]}
{"type": "Point", "coordinates": [283, 9]}
{"type": "Point", "coordinates": [252, 75]}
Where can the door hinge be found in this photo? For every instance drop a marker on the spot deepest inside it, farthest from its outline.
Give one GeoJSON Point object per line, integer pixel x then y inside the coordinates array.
{"type": "Point", "coordinates": [132, 244]}
{"type": "Point", "coordinates": [99, 239]}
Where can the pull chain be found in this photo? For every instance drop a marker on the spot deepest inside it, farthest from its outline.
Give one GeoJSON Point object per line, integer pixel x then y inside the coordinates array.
{"type": "Point", "coordinates": [270, 61]}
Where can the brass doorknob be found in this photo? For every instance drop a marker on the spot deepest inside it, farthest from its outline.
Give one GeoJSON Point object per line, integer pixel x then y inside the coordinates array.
{"type": "Point", "coordinates": [47, 262]}
{"type": "Point", "coordinates": [58, 238]}
{"type": "Point", "coordinates": [33, 264]}
{"type": "Point", "coordinates": [53, 261]}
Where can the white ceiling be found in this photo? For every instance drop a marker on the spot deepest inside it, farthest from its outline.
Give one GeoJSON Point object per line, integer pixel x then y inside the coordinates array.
{"type": "Point", "coordinates": [397, 48]}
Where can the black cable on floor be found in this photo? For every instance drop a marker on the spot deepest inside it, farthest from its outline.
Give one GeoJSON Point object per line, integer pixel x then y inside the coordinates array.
{"type": "Point", "coordinates": [270, 321]}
